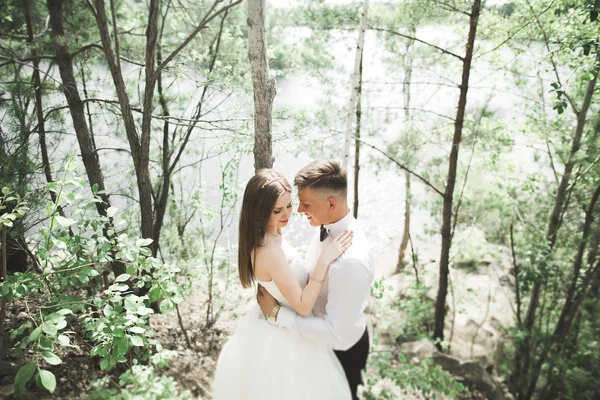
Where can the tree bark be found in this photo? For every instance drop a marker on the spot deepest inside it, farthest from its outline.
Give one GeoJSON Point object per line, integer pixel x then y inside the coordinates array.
{"type": "Point", "coordinates": [76, 108]}
{"type": "Point", "coordinates": [408, 67]}
{"type": "Point", "coordinates": [355, 82]}
{"type": "Point", "coordinates": [440, 304]}
{"type": "Point", "coordinates": [357, 142]}
{"type": "Point", "coordinates": [3, 230]}
{"type": "Point", "coordinates": [406, 234]}
{"type": "Point", "coordinates": [264, 85]}
{"type": "Point", "coordinates": [39, 111]}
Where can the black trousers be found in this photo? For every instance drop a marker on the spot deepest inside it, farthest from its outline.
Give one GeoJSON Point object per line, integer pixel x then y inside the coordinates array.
{"type": "Point", "coordinates": [354, 360]}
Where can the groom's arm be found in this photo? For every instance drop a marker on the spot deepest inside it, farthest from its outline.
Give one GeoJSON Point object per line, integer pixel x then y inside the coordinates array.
{"type": "Point", "coordinates": [348, 296]}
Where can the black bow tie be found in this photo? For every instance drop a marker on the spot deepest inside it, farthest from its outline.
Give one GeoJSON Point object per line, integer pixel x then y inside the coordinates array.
{"type": "Point", "coordinates": [323, 234]}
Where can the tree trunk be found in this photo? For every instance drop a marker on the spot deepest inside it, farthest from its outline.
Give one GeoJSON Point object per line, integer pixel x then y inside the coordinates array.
{"type": "Point", "coordinates": [440, 304]}
{"type": "Point", "coordinates": [76, 108]}
{"type": "Point", "coordinates": [2, 280]}
{"type": "Point", "coordinates": [357, 142]}
{"type": "Point", "coordinates": [39, 111]}
{"type": "Point", "coordinates": [143, 167]}
{"type": "Point", "coordinates": [264, 85]}
{"type": "Point", "coordinates": [355, 82]}
{"type": "Point", "coordinates": [406, 235]}
{"type": "Point", "coordinates": [408, 67]}
{"type": "Point", "coordinates": [162, 195]}
{"type": "Point", "coordinates": [140, 148]}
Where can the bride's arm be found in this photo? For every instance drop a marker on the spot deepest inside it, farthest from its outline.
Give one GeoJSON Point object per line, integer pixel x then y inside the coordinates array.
{"type": "Point", "coordinates": [282, 274]}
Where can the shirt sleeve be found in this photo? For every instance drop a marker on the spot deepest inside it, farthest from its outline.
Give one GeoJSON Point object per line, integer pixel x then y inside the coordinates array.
{"type": "Point", "coordinates": [344, 322]}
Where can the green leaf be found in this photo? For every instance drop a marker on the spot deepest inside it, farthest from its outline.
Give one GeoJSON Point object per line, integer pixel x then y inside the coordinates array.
{"type": "Point", "coordinates": [154, 294]}
{"type": "Point", "coordinates": [122, 278]}
{"type": "Point", "coordinates": [121, 288]}
{"type": "Point", "coordinates": [48, 380]}
{"type": "Point", "coordinates": [52, 186]}
{"type": "Point", "coordinates": [51, 358]}
{"type": "Point", "coordinates": [111, 211]}
{"type": "Point", "coordinates": [35, 334]}
{"type": "Point", "coordinates": [64, 222]}
{"type": "Point", "coordinates": [142, 310]}
{"type": "Point", "coordinates": [136, 340]}
{"type": "Point", "coordinates": [108, 310]}
{"type": "Point", "coordinates": [122, 345]}
{"type": "Point", "coordinates": [25, 373]}
{"type": "Point", "coordinates": [166, 305]}
{"type": "Point", "coordinates": [49, 328]}
{"type": "Point", "coordinates": [5, 190]}
{"type": "Point", "coordinates": [64, 340]}
{"type": "Point", "coordinates": [130, 304]}
{"type": "Point", "coordinates": [46, 344]}
{"type": "Point", "coordinates": [143, 242]}
{"type": "Point", "coordinates": [137, 329]}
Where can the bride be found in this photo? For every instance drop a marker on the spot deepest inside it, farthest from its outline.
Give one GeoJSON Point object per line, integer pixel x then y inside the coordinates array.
{"type": "Point", "coordinates": [260, 360]}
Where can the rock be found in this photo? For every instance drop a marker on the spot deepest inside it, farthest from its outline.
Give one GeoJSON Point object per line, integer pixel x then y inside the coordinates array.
{"type": "Point", "coordinates": [507, 281]}
{"type": "Point", "coordinates": [448, 363]}
{"type": "Point", "coordinates": [486, 363]}
{"type": "Point", "coordinates": [477, 375]}
{"type": "Point", "coordinates": [8, 368]}
{"type": "Point", "coordinates": [6, 391]}
{"type": "Point", "coordinates": [501, 354]}
{"type": "Point", "coordinates": [422, 349]}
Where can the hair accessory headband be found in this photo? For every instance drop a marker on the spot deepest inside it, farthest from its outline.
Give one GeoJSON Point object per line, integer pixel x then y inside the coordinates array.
{"type": "Point", "coordinates": [277, 179]}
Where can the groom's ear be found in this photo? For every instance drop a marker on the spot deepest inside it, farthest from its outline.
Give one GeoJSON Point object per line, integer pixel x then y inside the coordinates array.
{"type": "Point", "coordinates": [332, 203]}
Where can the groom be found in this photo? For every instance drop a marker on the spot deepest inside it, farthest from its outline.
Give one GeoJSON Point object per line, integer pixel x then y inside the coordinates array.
{"type": "Point", "coordinates": [339, 320]}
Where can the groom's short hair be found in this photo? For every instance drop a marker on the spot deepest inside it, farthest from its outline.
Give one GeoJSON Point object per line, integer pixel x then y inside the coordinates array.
{"type": "Point", "coordinates": [324, 176]}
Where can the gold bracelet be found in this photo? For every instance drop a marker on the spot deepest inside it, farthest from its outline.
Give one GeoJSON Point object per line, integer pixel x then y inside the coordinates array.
{"type": "Point", "coordinates": [272, 318]}
{"type": "Point", "coordinates": [316, 280]}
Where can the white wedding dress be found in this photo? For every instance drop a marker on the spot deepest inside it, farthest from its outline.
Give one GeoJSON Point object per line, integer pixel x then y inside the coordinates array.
{"type": "Point", "coordinates": [265, 362]}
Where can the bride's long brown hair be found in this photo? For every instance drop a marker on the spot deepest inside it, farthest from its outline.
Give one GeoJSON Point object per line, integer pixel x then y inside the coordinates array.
{"type": "Point", "coordinates": [260, 197]}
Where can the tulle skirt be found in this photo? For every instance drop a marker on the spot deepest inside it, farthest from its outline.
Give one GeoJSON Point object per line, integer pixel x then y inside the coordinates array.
{"type": "Point", "coordinates": [266, 362]}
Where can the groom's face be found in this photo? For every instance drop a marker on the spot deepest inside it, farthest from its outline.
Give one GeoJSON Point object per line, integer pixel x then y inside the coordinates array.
{"type": "Point", "coordinates": [315, 207]}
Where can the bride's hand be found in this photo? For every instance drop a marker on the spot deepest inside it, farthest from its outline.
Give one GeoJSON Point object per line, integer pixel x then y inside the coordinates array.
{"type": "Point", "coordinates": [335, 246]}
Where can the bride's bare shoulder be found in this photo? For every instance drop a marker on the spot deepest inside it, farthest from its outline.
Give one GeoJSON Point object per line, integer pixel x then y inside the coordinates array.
{"type": "Point", "coordinates": [269, 251]}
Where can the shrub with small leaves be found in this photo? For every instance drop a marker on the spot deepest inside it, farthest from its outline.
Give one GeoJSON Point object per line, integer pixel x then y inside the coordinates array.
{"type": "Point", "coordinates": [140, 382]}
{"type": "Point", "coordinates": [74, 253]}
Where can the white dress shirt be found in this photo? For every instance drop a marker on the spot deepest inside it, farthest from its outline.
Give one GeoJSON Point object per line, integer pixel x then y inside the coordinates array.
{"type": "Point", "coordinates": [338, 316]}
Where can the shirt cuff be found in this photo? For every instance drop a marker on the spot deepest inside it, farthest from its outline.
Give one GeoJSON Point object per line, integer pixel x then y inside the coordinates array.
{"type": "Point", "coordinates": [286, 318]}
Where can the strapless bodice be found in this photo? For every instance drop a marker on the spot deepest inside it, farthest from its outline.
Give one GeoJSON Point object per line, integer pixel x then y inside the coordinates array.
{"type": "Point", "coordinates": [301, 274]}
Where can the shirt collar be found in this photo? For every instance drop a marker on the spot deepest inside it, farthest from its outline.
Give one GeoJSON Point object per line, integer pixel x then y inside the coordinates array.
{"type": "Point", "coordinates": [338, 227]}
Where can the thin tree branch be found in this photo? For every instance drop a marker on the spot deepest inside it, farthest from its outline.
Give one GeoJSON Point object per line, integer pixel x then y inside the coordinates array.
{"type": "Point", "coordinates": [402, 166]}
{"type": "Point", "coordinates": [418, 40]}
{"type": "Point", "coordinates": [200, 26]}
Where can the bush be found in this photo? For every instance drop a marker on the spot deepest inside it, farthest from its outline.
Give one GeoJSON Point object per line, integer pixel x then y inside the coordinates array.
{"type": "Point", "coordinates": [74, 255]}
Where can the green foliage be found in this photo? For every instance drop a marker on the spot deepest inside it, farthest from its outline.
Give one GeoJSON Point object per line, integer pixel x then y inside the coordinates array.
{"type": "Point", "coordinates": [73, 253]}
{"type": "Point", "coordinates": [394, 371]}
{"type": "Point", "coordinates": [140, 382]}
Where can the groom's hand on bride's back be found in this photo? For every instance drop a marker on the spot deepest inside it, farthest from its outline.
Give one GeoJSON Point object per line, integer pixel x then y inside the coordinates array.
{"type": "Point", "coordinates": [265, 300]}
